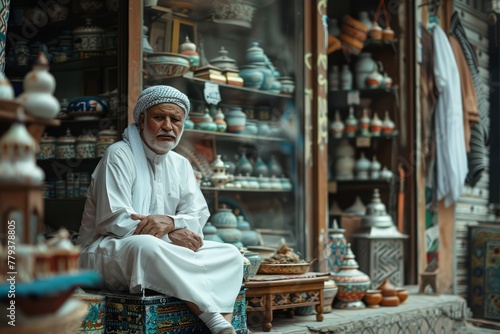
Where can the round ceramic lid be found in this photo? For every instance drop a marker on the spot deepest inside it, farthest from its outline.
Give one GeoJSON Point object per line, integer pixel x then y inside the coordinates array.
{"type": "Point", "coordinates": [67, 139]}
{"type": "Point", "coordinates": [223, 61]}
{"type": "Point", "coordinates": [88, 28]}
{"type": "Point", "coordinates": [46, 139]}
{"type": "Point", "coordinates": [111, 132]}
{"type": "Point", "coordinates": [86, 139]}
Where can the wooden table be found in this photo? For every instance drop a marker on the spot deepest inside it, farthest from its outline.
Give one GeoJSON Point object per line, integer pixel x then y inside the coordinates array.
{"type": "Point", "coordinates": [269, 295]}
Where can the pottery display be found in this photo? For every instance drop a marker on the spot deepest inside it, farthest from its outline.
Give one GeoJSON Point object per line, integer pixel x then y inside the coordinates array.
{"type": "Point", "coordinates": [330, 291]}
{"type": "Point", "coordinates": [219, 121]}
{"type": "Point", "coordinates": [351, 124]}
{"type": "Point", "coordinates": [375, 167]}
{"type": "Point", "coordinates": [365, 18]}
{"type": "Point", "coordinates": [47, 147]}
{"type": "Point", "coordinates": [402, 294]}
{"type": "Point", "coordinates": [273, 166]}
{"type": "Point", "coordinates": [363, 167]}
{"type": "Point", "coordinates": [387, 80]}
{"type": "Point", "coordinates": [388, 34]}
{"type": "Point", "coordinates": [334, 79]}
{"type": "Point", "coordinates": [219, 176]}
{"type": "Point", "coordinates": [287, 85]}
{"type": "Point", "coordinates": [345, 78]}
{"type": "Point", "coordinates": [86, 147]}
{"type": "Point", "coordinates": [224, 218]}
{"type": "Point", "coordinates": [188, 48]}
{"type": "Point", "coordinates": [260, 168]}
{"type": "Point", "coordinates": [357, 207]}
{"type": "Point", "coordinates": [235, 119]}
{"type": "Point", "coordinates": [373, 298]}
{"type": "Point", "coordinates": [66, 146]}
{"type": "Point", "coordinates": [17, 161]}
{"type": "Point", "coordinates": [39, 85]}
{"type": "Point", "coordinates": [188, 123]}
{"type": "Point", "coordinates": [248, 236]}
{"type": "Point", "coordinates": [374, 79]}
{"type": "Point", "coordinates": [87, 108]}
{"type": "Point", "coordinates": [243, 166]}
{"type": "Point", "coordinates": [344, 161]}
{"type": "Point", "coordinates": [105, 138]}
{"type": "Point", "coordinates": [376, 125]}
{"type": "Point", "coordinates": [375, 32]}
{"type": "Point", "coordinates": [337, 126]}
{"type": "Point", "coordinates": [336, 247]}
{"type": "Point", "coordinates": [255, 261]}
{"type": "Point", "coordinates": [363, 67]}
{"type": "Point", "coordinates": [387, 125]}
{"type": "Point", "coordinates": [205, 122]}
{"type": "Point", "coordinates": [252, 77]}
{"type": "Point", "coordinates": [364, 123]}
{"type": "Point", "coordinates": [223, 61]}
{"type": "Point", "coordinates": [389, 293]}
{"type": "Point", "coordinates": [352, 283]}
{"type": "Point", "coordinates": [6, 90]}
{"type": "Point", "coordinates": [146, 47]}
{"type": "Point", "coordinates": [88, 37]}
{"type": "Point", "coordinates": [210, 233]}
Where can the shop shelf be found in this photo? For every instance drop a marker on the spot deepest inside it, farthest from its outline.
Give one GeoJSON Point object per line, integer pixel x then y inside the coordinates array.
{"type": "Point", "coordinates": [232, 137]}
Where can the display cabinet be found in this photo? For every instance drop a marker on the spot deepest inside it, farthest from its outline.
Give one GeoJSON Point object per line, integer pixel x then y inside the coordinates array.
{"type": "Point", "coordinates": [87, 50]}
{"type": "Point", "coordinates": [264, 155]}
{"type": "Point", "coordinates": [363, 109]}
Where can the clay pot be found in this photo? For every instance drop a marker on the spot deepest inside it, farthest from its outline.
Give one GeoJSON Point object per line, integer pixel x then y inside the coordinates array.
{"type": "Point", "coordinates": [390, 301]}
{"type": "Point", "coordinates": [373, 298]}
{"type": "Point", "coordinates": [388, 290]}
{"type": "Point", "coordinates": [402, 294]}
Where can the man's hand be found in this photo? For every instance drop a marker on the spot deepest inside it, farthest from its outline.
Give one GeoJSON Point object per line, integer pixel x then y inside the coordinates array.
{"type": "Point", "coordinates": [186, 238]}
{"type": "Point", "coordinates": [155, 225]}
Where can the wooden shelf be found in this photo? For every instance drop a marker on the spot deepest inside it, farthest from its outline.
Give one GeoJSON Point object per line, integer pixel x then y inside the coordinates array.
{"type": "Point", "coordinates": [333, 186]}
{"type": "Point", "coordinates": [245, 190]}
{"type": "Point", "coordinates": [10, 116]}
{"type": "Point", "coordinates": [229, 94]}
{"type": "Point", "coordinates": [223, 136]}
{"type": "Point", "coordinates": [69, 65]}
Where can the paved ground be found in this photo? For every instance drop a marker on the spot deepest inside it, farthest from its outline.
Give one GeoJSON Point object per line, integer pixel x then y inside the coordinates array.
{"type": "Point", "coordinates": [424, 310]}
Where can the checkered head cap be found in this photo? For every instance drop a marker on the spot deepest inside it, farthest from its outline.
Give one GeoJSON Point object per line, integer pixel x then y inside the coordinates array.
{"type": "Point", "coordinates": [154, 95]}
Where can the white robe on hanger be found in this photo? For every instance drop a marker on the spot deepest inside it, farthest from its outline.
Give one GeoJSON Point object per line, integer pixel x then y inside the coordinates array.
{"type": "Point", "coordinates": [451, 155]}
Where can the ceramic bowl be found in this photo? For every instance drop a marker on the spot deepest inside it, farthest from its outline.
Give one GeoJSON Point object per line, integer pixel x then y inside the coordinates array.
{"type": "Point", "coordinates": [162, 65]}
{"type": "Point", "coordinates": [87, 108]}
{"type": "Point", "coordinates": [284, 269]}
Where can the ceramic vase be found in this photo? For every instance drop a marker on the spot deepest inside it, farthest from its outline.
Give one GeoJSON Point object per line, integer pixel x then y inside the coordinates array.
{"type": "Point", "coordinates": [224, 218]}
{"type": "Point", "coordinates": [387, 125]}
{"type": "Point", "coordinates": [219, 121]}
{"type": "Point", "coordinates": [252, 77]}
{"type": "Point", "coordinates": [260, 168]}
{"type": "Point", "coordinates": [352, 283]}
{"type": "Point", "coordinates": [364, 123]}
{"type": "Point", "coordinates": [330, 291]}
{"type": "Point", "coordinates": [346, 78]}
{"type": "Point", "coordinates": [188, 48]}
{"type": "Point", "coordinates": [235, 119]}
{"type": "Point", "coordinates": [351, 124]}
{"type": "Point", "coordinates": [363, 167]}
{"type": "Point", "coordinates": [337, 127]}
{"type": "Point", "coordinates": [365, 18]}
{"type": "Point", "coordinates": [376, 125]}
{"type": "Point", "coordinates": [336, 248]}
{"type": "Point", "coordinates": [255, 261]}
{"type": "Point", "coordinates": [274, 168]}
{"type": "Point", "coordinates": [210, 233]}
{"type": "Point", "coordinates": [389, 293]}
{"type": "Point", "coordinates": [373, 298]}
{"type": "Point", "coordinates": [402, 294]}
{"type": "Point", "coordinates": [375, 167]}
{"type": "Point", "coordinates": [243, 166]}
{"type": "Point", "coordinates": [39, 85]}
{"type": "Point", "coordinates": [188, 123]}
{"type": "Point", "coordinates": [334, 79]}
{"type": "Point", "coordinates": [364, 66]}
{"type": "Point", "coordinates": [248, 236]}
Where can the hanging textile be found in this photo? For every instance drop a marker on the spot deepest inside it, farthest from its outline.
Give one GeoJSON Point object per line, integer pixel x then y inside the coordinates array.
{"type": "Point", "coordinates": [469, 97]}
{"type": "Point", "coordinates": [479, 132]}
{"type": "Point", "coordinates": [451, 157]}
{"type": "Point", "coordinates": [4, 17]}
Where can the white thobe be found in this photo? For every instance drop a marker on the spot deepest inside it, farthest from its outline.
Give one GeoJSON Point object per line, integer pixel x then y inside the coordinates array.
{"type": "Point", "coordinates": [210, 277]}
{"type": "Point", "coordinates": [451, 155]}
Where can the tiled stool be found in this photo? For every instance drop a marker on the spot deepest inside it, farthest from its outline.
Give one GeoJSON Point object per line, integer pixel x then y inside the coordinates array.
{"type": "Point", "coordinates": [159, 314]}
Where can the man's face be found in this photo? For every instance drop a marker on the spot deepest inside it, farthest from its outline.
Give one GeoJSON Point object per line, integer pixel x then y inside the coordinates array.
{"type": "Point", "coordinates": [161, 127]}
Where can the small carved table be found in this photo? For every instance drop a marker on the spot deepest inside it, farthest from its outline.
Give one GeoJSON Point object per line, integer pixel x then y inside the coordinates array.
{"type": "Point", "coordinates": [267, 296]}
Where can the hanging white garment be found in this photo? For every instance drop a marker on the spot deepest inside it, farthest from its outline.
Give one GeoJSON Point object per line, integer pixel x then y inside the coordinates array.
{"type": "Point", "coordinates": [211, 277]}
{"type": "Point", "coordinates": [451, 153]}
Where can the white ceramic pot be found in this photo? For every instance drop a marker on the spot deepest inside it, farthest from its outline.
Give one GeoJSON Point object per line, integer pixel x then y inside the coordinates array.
{"type": "Point", "coordinates": [344, 168]}
{"type": "Point", "coordinates": [364, 66]}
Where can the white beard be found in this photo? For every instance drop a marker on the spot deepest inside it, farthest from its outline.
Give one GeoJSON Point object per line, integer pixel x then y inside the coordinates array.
{"type": "Point", "coordinates": [160, 146]}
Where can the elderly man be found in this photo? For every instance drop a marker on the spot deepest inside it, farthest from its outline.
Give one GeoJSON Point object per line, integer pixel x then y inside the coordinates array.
{"type": "Point", "coordinates": [144, 214]}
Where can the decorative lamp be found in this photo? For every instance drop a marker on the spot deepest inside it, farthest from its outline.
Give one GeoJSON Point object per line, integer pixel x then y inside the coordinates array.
{"type": "Point", "coordinates": [379, 245]}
